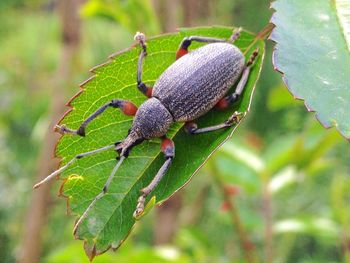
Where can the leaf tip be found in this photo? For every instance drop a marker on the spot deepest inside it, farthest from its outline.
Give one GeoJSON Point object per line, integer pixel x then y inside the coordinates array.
{"type": "Point", "coordinates": [90, 251]}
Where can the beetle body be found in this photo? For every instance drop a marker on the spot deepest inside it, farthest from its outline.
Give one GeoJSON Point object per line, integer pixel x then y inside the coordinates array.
{"type": "Point", "coordinates": [192, 85]}
{"type": "Point", "coordinates": [187, 89]}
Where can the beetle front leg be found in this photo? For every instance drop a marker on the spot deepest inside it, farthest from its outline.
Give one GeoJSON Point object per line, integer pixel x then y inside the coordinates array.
{"type": "Point", "coordinates": [187, 41]}
{"type": "Point", "coordinates": [127, 107]}
{"type": "Point", "coordinates": [168, 148]}
{"type": "Point", "coordinates": [147, 91]}
{"type": "Point", "coordinates": [68, 164]}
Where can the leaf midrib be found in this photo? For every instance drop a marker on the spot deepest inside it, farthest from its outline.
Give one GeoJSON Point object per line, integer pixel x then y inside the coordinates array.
{"type": "Point", "coordinates": [132, 186]}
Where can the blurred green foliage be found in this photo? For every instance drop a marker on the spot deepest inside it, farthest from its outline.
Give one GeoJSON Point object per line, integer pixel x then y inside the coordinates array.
{"type": "Point", "coordinates": [134, 15]}
{"type": "Point", "coordinates": [280, 150]}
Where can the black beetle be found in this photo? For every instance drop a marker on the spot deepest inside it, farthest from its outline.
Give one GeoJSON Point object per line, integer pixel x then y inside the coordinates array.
{"type": "Point", "coordinates": [190, 87]}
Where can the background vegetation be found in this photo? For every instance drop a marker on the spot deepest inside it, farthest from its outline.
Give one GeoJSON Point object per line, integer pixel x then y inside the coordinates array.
{"type": "Point", "coordinates": [282, 176]}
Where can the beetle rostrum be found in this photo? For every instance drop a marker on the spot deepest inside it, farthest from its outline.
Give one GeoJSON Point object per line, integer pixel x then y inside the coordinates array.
{"type": "Point", "coordinates": [194, 84]}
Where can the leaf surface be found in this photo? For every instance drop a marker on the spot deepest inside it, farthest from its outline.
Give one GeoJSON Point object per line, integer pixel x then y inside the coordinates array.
{"type": "Point", "coordinates": [110, 220]}
{"type": "Point", "coordinates": [312, 52]}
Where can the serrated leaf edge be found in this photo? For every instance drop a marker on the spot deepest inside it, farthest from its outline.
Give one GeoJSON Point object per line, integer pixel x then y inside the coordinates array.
{"type": "Point", "coordinates": [326, 124]}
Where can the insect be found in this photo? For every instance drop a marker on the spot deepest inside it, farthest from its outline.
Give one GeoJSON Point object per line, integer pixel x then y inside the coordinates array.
{"type": "Point", "coordinates": [195, 83]}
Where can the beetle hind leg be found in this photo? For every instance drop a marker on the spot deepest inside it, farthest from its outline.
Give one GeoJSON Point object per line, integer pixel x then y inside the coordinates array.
{"type": "Point", "coordinates": [187, 41]}
{"type": "Point", "coordinates": [146, 90]}
{"type": "Point", "coordinates": [235, 35]}
{"type": "Point", "coordinates": [225, 102]}
{"type": "Point", "coordinates": [232, 98]}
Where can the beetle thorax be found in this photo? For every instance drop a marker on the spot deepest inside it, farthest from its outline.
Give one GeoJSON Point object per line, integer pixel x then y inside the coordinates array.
{"type": "Point", "coordinates": [152, 120]}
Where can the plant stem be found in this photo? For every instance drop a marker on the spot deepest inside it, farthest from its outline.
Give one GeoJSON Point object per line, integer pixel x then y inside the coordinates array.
{"type": "Point", "coordinates": [262, 35]}
{"type": "Point", "coordinates": [247, 246]}
{"type": "Point", "coordinates": [267, 214]}
{"type": "Point", "coordinates": [346, 248]}
{"type": "Point", "coordinates": [266, 31]}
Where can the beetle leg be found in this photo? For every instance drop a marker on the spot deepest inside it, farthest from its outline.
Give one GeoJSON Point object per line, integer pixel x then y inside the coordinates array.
{"type": "Point", "coordinates": [127, 107]}
{"type": "Point", "coordinates": [168, 148]}
{"type": "Point", "coordinates": [232, 98]}
{"type": "Point", "coordinates": [192, 127]}
{"type": "Point", "coordinates": [77, 157]}
{"type": "Point", "coordinates": [123, 148]}
{"type": "Point", "coordinates": [187, 41]}
{"type": "Point", "coordinates": [101, 194]}
{"type": "Point", "coordinates": [235, 34]}
{"type": "Point", "coordinates": [147, 91]}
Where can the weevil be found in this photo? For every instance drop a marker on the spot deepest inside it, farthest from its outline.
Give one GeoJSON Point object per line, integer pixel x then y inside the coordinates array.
{"type": "Point", "coordinates": [194, 84]}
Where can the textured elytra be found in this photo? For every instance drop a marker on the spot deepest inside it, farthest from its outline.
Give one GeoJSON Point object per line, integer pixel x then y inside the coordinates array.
{"type": "Point", "coordinates": [111, 220]}
{"type": "Point", "coordinates": [193, 84]}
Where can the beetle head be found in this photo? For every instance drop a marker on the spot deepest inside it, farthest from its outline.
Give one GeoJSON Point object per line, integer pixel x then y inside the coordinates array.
{"type": "Point", "coordinates": [152, 120]}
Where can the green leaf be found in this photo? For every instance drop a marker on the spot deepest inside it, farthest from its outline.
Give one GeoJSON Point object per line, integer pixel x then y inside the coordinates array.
{"type": "Point", "coordinates": [126, 13]}
{"type": "Point", "coordinates": [110, 220]}
{"type": "Point", "coordinates": [313, 54]}
{"type": "Point", "coordinates": [343, 12]}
